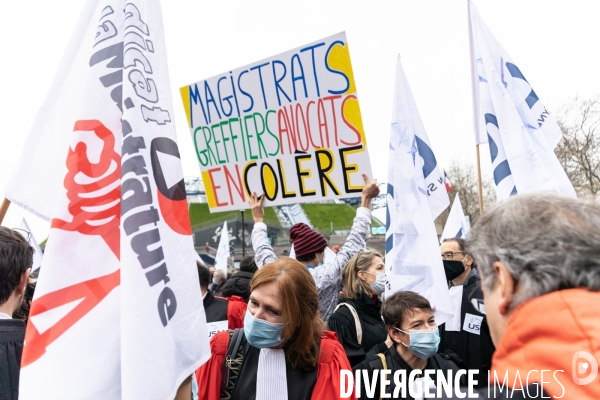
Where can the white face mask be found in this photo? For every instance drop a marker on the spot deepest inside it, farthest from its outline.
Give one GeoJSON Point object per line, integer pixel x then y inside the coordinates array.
{"type": "Point", "coordinates": [379, 285]}
{"type": "Point", "coordinates": [319, 263]}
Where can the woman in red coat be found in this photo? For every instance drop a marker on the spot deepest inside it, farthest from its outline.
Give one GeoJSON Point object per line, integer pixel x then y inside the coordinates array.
{"type": "Point", "coordinates": [285, 352]}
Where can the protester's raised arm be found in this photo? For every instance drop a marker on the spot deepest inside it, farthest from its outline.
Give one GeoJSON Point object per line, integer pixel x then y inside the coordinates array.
{"type": "Point", "coordinates": [263, 252]}
{"type": "Point", "coordinates": [256, 206]}
{"type": "Point", "coordinates": [329, 277]}
{"type": "Point", "coordinates": [369, 192]}
{"type": "Point", "coordinates": [361, 226]}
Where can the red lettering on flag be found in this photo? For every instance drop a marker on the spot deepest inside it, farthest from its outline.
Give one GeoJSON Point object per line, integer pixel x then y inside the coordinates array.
{"type": "Point", "coordinates": [92, 292]}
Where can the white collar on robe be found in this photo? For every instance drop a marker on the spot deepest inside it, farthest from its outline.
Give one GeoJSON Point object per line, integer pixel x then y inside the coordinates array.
{"type": "Point", "coordinates": [271, 380]}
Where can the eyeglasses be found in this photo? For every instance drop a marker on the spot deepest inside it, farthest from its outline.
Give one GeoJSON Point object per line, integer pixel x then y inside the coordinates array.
{"type": "Point", "coordinates": [10, 234]}
{"type": "Point", "coordinates": [24, 233]}
{"type": "Point", "coordinates": [16, 235]}
{"type": "Point", "coordinates": [449, 255]}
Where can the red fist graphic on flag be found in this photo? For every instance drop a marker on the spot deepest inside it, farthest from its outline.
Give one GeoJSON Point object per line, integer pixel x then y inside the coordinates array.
{"type": "Point", "coordinates": [94, 190]}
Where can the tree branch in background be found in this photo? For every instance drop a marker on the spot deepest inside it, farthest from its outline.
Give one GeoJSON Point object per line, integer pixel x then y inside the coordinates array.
{"type": "Point", "coordinates": [579, 149]}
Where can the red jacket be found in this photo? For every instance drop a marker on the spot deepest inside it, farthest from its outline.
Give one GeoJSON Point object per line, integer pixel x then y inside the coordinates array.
{"type": "Point", "coordinates": [236, 310]}
{"type": "Point", "coordinates": [546, 333]}
{"type": "Point", "coordinates": [332, 359]}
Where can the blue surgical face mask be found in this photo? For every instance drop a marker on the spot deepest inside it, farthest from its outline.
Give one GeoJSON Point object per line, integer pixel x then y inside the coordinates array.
{"type": "Point", "coordinates": [379, 285]}
{"type": "Point", "coordinates": [423, 343]}
{"type": "Point", "coordinates": [260, 333]}
{"type": "Point", "coordinates": [214, 281]}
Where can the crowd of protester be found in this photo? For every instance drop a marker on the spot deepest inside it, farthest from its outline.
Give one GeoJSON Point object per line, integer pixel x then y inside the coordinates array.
{"type": "Point", "coordinates": [528, 275]}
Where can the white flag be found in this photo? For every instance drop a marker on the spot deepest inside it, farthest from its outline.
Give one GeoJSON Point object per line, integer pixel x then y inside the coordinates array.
{"type": "Point", "coordinates": [412, 259]}
{"type": "Point", "coordinates": [456, 225]}
{"type": "Point", "coordinates": [37, 252]}
{"type": "Point", "coordinates": [434, 184]}
{"type": "Point", "coordinates": [222, 257]}
{"type": "Point", "coordinates": [510, 117]}
{"type": "Point", "coordinates": [117, 313]}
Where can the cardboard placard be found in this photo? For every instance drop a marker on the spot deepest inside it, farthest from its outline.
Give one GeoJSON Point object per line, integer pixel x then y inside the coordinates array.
{"type": "Point", "coordinates": [288, 126]}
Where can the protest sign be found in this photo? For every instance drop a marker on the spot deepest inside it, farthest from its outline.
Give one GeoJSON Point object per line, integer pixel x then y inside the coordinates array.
{"type": "Point", "coordinates": [288, 126]}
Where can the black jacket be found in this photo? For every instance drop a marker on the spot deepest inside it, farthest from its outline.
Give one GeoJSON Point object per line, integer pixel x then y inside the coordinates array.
{"type": "Point", "coordinates": [473, 343]}
{"type": "Point", "coordinates": [12, 335]}
{"type": "Point", "coordinates": [215, 309]}
{"type": "Point", "coordinates": [214, 287]}
{"type": "Point", "coordinates": [374, 331]}
{"type": "Point", "coordinates": [237, 285]}
{"type": "Point", "coordinates": [438, 362]}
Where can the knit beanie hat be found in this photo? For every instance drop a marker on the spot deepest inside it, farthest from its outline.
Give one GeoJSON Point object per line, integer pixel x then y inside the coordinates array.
{"type": "Point", "coordinates": [306, 240]}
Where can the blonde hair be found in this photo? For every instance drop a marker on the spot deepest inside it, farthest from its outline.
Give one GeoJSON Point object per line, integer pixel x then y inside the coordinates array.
{"type": "Point", "coordinates": [354, 287]}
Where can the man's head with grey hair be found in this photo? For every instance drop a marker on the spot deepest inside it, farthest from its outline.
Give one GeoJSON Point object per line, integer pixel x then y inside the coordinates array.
{"type": "Point", "coordinates": [531, 245]}
{"type": "Point", "coordinates": [220, 276]}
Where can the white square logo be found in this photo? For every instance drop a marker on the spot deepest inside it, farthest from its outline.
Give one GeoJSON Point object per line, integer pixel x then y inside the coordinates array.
{"type": "Point", "coordinates": [472, 323]}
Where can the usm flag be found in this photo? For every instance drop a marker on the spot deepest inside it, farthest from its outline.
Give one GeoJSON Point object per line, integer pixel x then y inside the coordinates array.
{"type": "Point", "coordinates": [412, 258]}
{"type": "Point", "coordinates": [509, 116]}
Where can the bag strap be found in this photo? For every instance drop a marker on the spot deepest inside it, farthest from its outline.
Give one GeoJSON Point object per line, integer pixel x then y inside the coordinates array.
{"type": "Point", "coordinates": [235, 337]}
{"type": "Point", "coordinates": [233, 334]}
{"type": "Point", "coordinates": [384, 364]}
{"type": "Point", "coordinates": [232, 363]}
{"type": "Point", "coordinates": [356, 320]}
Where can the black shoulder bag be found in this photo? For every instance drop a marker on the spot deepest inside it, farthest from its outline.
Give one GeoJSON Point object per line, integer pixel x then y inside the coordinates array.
{"type": "Point", "coordinates": [233, 362]}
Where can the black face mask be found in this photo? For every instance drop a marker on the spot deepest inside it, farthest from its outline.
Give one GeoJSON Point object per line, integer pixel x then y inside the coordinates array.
{"type": "Point", "coordinates": [453, 269]}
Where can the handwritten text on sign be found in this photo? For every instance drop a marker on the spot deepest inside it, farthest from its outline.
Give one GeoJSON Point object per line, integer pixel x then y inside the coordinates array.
{"type": "Point", "coordinates": [288, 126]}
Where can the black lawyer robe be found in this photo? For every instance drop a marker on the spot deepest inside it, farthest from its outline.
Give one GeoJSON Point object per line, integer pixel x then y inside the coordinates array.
{"type": "Point", "coordinates": [12, 335]}
{"type": "Point", "coordinates": [475, 349]}
{"type": "Point", "coordinates": [300, 383]}
{"type": "Point", "coordinates": [374, 331]}
{"type": "Point", "coordinates": [440, 363]}
{"type": "Point", "coordinates": [215, 309]}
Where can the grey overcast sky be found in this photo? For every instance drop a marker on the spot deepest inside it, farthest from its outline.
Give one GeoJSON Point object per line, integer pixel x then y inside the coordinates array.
{"type": "Point", "coordinates": [555, 43]}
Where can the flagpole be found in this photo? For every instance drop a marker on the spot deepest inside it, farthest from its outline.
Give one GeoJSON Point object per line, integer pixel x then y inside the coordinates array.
{"type": "Point", "coordinates": [4, 209]}
{"type": "Point", "coordinates": [479, 184]}
{"type": "Point", "coordinates": [475, 97]}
